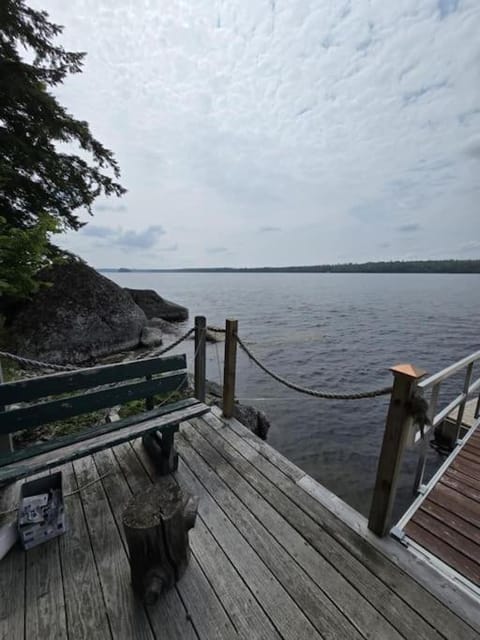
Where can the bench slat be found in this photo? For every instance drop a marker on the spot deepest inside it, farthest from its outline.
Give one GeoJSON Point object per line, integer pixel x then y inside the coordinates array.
{"type": "Point", "coordinates": [49, 459]}
{"type": "Point", "coordinates": [94, 431]}
{"type": "Point", "coordinates": [60, 409]}
{"type": "Point", "coordinates": [60, 383]}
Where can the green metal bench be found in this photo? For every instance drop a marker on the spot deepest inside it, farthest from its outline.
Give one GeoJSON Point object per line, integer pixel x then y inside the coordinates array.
{"type": "Point", "coordinates": [65, 395]}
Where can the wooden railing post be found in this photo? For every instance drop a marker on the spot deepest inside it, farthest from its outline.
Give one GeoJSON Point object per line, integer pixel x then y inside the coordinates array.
{"type": "Point", "coordinates": [393, 445]}
{"type": "Point", "coordinates": [6, 439]}
{"type": "Point", "coordinates": [200, 357]}
{"type": "Point", "coordinates": [231, 328]}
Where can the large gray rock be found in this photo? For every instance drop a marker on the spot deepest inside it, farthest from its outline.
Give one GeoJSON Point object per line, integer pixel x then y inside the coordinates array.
{"type": "Point", "coordinates": [79, 317]}
{"type": "Point", "coordinates": [151, 337]}
{"type": "Point", "coordinates": [249, 416]}
{"type": "Point", "coordinates": [155, 306]}
{"type": "Point", "coordinates": [163, 325]}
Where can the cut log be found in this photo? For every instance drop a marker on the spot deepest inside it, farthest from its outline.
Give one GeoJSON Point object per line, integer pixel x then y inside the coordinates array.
{"type": "Point", "coordinates": [156, 526]}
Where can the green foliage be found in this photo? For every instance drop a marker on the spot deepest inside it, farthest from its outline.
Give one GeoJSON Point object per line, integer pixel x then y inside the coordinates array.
{"type": "Point", "coordinates": [86, 421]}
{"type": "Point", "coordinates": [137, 406]}
{"type": "Point", "coordinates": [23, 252]}
{"type": "Point", "coordinates": [42, 183]}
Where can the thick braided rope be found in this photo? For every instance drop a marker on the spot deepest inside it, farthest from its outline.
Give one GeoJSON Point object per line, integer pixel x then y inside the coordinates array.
{"type": "Point", "coordinates": [36, 364]}
{"type": "Point", "coordinates": [160, 352]}
{"type": "Point", "coordinates": [312, 392]}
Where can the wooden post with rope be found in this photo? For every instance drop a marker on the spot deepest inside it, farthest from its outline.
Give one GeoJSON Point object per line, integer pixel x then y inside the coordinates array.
{"type": "Point", "coordinates": [200, 357]}
{"type": "Point", "coordinates": [395, 437]}
{"type": "Point", "coordinates": [231, 329]}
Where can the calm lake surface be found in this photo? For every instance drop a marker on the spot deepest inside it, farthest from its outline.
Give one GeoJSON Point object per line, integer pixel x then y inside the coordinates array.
{"type": "Point", "coordinates": [334, 332]}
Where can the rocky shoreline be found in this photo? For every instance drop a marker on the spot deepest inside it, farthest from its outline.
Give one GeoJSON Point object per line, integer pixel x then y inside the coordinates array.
{"type": "Point", "coordinates": [79, 316]}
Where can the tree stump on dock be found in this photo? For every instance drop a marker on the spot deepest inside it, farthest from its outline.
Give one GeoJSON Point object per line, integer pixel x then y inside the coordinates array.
{"type": "Point", "coordinates": [156, 525]}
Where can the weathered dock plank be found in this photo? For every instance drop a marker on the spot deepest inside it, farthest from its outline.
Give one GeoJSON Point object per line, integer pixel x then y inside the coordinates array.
{"type": "Point", "coordinates": [274, 556]}
{"type": "Point", "coordinates": [411, 580]}
{"type": "Point", "coordinates": [44, 598]}
{"type": "Point", "coordinates": [285, 613]}
{"type": "Point", "coordinates": [239, 603]}
{"type": "Point", "coordinates": [12, 575]}
{"type": "Point", "coordinates": [381, 616]}
{"type": "Point", "coordinates": [453, 493]}
{"type": "Point", "coordinates": [119, 492]}
{"type": "Point", "coordinates": [84, 603]}
{"type": "Point", "coordinates": [339, 602]}
{"type": "Point", "coordinates": [126, 615]}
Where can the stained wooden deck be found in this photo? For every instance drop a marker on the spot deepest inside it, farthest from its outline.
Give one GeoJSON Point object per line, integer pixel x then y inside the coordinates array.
{"type": "Point", "coordinates": [446, 523]}
{"type": "Point", "coordinates": [274, 555]}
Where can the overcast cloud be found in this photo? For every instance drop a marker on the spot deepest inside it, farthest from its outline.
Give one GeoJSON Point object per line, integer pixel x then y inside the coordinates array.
{"type": "Point", "coordinates": [270, 132]}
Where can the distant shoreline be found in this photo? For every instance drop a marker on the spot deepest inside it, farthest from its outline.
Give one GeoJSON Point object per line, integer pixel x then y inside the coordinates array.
{"type": "Point", "coordinates": [414, 267]}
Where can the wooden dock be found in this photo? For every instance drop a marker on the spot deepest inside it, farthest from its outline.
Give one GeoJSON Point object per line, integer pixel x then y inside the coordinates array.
{"type": "Point", "coordinates": [444, 522]}
{"type": "Point", "coordinates": [274, 555]}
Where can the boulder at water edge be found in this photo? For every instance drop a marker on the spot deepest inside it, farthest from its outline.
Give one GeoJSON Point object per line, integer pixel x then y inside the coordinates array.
{"type": "Point", "coordinates": [155, 306]}
{"type": "Point", "coordinates": [80, 316]}
{"type": "Point", "coordinates": [151, 337]}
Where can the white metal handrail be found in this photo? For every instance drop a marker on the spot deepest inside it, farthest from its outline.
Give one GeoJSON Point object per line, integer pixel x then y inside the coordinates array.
{"type": "Point", "coordinates": [433, 383]}
{"type": "Point", "coordinates": [448, 371]}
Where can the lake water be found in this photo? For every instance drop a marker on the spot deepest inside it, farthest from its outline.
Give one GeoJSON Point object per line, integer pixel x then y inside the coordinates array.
{"type": "Point", "coordinates": [334, 332]}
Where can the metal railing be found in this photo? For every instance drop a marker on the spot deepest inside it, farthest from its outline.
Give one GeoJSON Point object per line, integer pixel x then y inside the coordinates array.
{"type": "Point", "coordinates": [431, 387]}
{"type": "Point", "coordinates": [401, 431]}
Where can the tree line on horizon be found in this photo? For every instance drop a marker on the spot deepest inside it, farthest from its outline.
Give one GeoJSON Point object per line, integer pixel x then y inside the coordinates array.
{"type": "Point", "coordinates": [393, 266]}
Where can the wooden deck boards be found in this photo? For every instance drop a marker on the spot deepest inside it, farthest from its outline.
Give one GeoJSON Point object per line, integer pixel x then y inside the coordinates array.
{"type": "Point", "coordinates": [269, 559]}
{"type": "Point", "coordinates": [447, 522]}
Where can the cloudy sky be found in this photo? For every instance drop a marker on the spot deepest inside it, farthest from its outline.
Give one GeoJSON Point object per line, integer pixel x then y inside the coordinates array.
{"type": "Point", "coordinates": [279, 132]}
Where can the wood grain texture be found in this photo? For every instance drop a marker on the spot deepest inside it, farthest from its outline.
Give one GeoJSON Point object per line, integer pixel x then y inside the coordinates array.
{"type": "Point", "coordinates": [340, 608]}
{"type": "Point", "coordinates": [391, 454]}
{"type": "Point", "coordinates": [168, 617]}
{"type": "Point", "coordinates": [453, 521]}
{"type": "Point", "coordinates": [473, 445]}
{"type": "Point", "coordinates": [156, 526]}
{"type": "Point", "coordinates": [461, 487]}
{"type": "Point", "coordinates": [449, 536]}
{"type": "Point", "coordinates": [80, 449]}
{"type": "Point", "coordinates": [285, 613]}
{"type": "Point", "coordinates": [470, 455]}
{"type": "Point", "coordinates": [464, 466]}
{"type": "Point", "coordinates": [442, 550]}
{"type": "Point", "coordinates": [462, 477]}
{"type": "Point", "coordinates": [312, 601]}
{"type": "Point", "coordinates": [254, 514]}
{"type": "Point", "coordinates": [96, 431]}
{"type": "Point", "coordinates": [84, 603]}
{"type": "Point", "coordinates": [355, 592]}
{"type": "Point", "coordinates": [391, 575]}
{"type": "Point", "coordinates": [209, 615]}
{"type": "Point", "coordinates": [61, 383]}
{"type": "Point", "coordinates": [44, 599]}
{"type": "Point", "coordinates": [12, 575]}
{"type": "Point", "coordinates": [457, 503]}
{"type": "Point", "coordinates": [126, 615]}
{"type": "Point", "coordinates": [61, 409]}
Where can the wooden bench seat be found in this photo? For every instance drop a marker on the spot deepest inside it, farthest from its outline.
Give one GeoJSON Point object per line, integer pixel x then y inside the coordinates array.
{"type": "Point", "coordinates": [65, 395]}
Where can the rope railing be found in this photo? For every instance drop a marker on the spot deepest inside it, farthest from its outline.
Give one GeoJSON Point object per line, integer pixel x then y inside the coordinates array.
{"type": "Point", "coordinates": [161, 352]}
{"type": "Point", "coordinates": [49, 366]}
{"type": "Point", "coordinates": [311, 392]}
{"type": "Point", "coordinates": [36, 364]}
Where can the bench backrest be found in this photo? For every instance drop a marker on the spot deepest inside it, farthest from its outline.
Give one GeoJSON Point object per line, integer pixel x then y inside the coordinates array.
{"type": "Point", "coordinates": [88, 390]}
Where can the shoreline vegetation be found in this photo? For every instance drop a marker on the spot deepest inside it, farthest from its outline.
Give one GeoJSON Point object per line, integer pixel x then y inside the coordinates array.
{"type": "Point", "coordinates": [397, 266]}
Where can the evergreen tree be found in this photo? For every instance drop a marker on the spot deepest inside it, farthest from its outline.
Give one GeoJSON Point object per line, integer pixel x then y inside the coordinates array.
{"type": "Point", "coordinates": [39, 178]}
